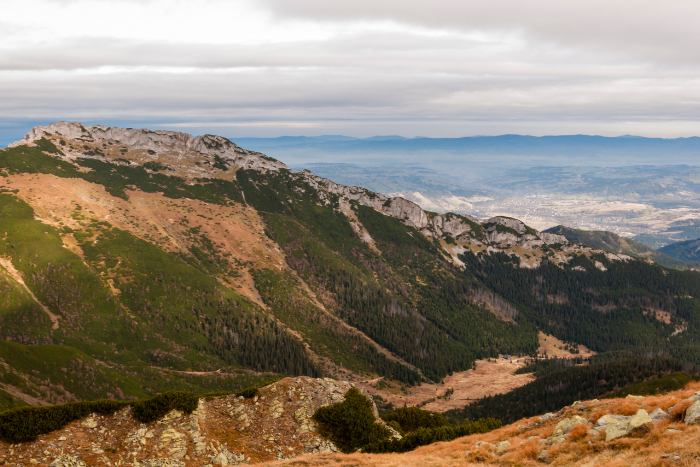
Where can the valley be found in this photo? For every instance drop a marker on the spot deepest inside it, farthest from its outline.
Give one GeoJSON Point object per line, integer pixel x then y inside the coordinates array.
{"type": "Point", "coordinates": [136, 262]}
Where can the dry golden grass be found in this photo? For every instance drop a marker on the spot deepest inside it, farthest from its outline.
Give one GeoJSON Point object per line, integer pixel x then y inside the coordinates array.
{"type": "Point", "coordinates": [678, 412]}
{"type": "Point", "coordinates": [664, 403]}
{"type": "Point", "coordinates": [625, 407]}
{"type": "Point", "coordinates": [528, 450]}
{"type": "Point", "coordinates": [596, 415]}
{"type": "Point", "coordinates": [578, 432]}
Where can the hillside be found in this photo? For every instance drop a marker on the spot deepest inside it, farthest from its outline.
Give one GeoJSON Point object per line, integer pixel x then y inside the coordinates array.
{"type": "Point", "coordinates": [654, 430]}
{"type": "Point", "coordinates": [614, 243]}
{"type": "Point", "coordinates": [684, 251]}
{"type": "Point", "coordinates": [158, 261]}
{"type": "Point", "coordinates": [652, 423]}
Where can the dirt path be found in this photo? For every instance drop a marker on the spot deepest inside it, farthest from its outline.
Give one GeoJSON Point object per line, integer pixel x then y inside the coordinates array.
{"type": "Point", "coordinates": [7, 264]}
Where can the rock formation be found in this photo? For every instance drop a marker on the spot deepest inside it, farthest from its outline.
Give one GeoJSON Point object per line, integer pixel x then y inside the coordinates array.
{"type": "Point", "coordinates": [275, 424]}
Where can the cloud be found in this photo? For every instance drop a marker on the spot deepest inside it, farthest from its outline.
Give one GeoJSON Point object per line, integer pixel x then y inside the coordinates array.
{"type": "Point", "coordinates": [277, 66]}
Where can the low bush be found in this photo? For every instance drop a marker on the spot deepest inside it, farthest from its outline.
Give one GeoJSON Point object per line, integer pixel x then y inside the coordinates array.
{"type": "Point", "coordinates": [662, 385]}
{"type": "Point", "coordinates": [351, 423]}
{"type": "Point", "coordinates": [152, 409]}
{"type": "Point", "coordinates": [424, 436]}
{"type": "Point", "coordinates": [412, 418]}
{"type": "Point", "coordinates": [26, 423]}
{"type": "Point", "coordinates": [47, 146]}
{"type": "Point", "coordinates": [247, 392]}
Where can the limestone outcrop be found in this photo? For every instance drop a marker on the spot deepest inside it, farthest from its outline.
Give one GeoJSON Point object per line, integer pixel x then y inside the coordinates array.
{"type": "Point", "coordinates": [180, 151]}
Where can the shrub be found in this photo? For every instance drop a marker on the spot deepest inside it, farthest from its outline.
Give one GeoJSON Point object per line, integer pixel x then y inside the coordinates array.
{"type": "Point", "coordinates": [395, 425]}
{"type": "Point", "coordinates": [423, 436]}
{"type": "Point", "coordinates": [351, 423]}
{"type": "Point", "coordinates": [152, 409]}
{"type": "Point", "coordinates": [212, 395]}
{"type": "Point", "coordinates": [46, 146]}
{"type": "Point", "coordinates": [578, 432]}
{"type": "Point", "coordinates": [412, 418]}
{"type": "Point", "coordinates": [662, 385]}
{"type": "Point", "coordinates": [247, 392]}
{"type": "Point", "coordinates": [26, 423]}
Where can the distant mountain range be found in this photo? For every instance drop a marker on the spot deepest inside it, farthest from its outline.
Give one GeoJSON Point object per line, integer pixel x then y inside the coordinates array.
{"type": "Point", "coordinates": [685, 251]}
{"type": "Point", "coordinates": [614, 243]}
{"type": "Point", "coordinates": [485, 151]}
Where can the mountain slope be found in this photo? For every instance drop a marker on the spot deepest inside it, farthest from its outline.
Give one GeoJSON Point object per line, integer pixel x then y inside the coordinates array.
{"type": "Point", "coordinates": [159, 252]}
{"type": "Point", "coordinates": [688, 250]}
{"type": "Point", "coordinates": [614, 243]}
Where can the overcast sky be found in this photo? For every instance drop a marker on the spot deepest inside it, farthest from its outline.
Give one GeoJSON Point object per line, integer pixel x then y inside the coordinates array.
{"type": "Point", "coordinates": [303, 67]}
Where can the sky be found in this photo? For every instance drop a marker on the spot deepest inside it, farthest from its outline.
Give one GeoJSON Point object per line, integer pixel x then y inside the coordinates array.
{"type": "Point", "coordinates": [443, 68]}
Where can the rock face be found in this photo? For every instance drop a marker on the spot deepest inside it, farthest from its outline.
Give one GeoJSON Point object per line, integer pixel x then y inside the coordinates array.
{"type": "Point", "coordinates": [179, 151]}
{"type": "Point", "coordinates": [627, 425]}
{"type": "Point", "coordinates": [562, 429]}
{"type": "Point", "coordinates": [692, 414]}
{"type": "Point", "coordinates": [276, 424]}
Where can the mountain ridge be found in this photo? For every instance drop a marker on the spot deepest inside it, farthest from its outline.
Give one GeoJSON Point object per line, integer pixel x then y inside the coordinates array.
{"type": "Point", "coordinates": [196, 256]}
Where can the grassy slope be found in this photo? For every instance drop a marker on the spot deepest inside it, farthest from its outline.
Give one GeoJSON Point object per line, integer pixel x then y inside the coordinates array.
{"type": "Point", "coordinates": [608, 241]}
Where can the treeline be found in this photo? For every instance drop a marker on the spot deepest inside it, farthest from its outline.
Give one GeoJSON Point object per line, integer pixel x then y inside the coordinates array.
{"type": "Point", "coordinates": [351, 426]}
{"type": "Point", "coordinates": [558, 385]}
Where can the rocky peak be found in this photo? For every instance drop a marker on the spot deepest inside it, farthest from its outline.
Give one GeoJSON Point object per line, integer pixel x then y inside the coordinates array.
{"type": "Point", "coordinates": [181, 153]}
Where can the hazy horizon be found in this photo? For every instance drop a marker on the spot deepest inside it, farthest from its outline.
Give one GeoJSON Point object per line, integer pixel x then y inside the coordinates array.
{"type": "Point", "coordinates": [363, 68]}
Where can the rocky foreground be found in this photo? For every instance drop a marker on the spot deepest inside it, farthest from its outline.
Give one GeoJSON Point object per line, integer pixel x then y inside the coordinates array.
{"type": "Point", "coordinates": [654, 430]}
{"type": "Point", "coordinates": [275, 427]}
{"type": "Point", "coordinates": [275, 424]}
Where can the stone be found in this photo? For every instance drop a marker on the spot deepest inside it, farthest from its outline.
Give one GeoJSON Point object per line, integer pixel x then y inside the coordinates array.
{"type": "Point", "coordinates": [547, 416]}
{"type": "Point", "coordinates": [606, 419]}
{"type": "Point", "coordinates": [89, 423]}
{"type": "Point", "coordinates": [692, 415]}
{"type": "Point", "coordinates": [160, 462]}
{"type": "Point", "coordinates": [543, 456]}
{"type": "Point", "coordinates": [625, 427]}
{"type": "Point", "coordinates": [170, 416]}
{"type": "Point", "coordinates": [502, 446]}
{"type": "Point", "coordinates": [673, 430]}
{"type": "Point", "coordinates": [566, 425]}
{"type": "Point", "coordinates": [658, 415]}
{"type": "Point", "coordinates": [65, 460]}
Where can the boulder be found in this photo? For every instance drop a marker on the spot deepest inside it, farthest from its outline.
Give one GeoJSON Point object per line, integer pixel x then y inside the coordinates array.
{"type": "Point", "coordinates": [607, 419]}
{"type": "Point", "coordinates": [566, 425]}
{"type": "Point", "coordinates": [658, 415]}
{"type": "Point", "coordinates": [625, 427]}
{"type": "Point", "coordinates": [692, 415]}
{"type": "Point", "coordinates": [502, 446]}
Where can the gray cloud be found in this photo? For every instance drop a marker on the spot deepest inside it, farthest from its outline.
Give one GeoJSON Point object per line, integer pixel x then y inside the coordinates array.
{"type": "Point", "coordinates": [405, 67]}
